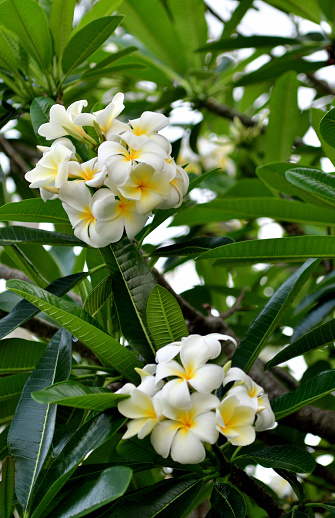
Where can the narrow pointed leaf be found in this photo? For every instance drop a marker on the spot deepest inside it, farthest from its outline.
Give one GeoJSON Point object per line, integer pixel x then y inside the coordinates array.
{"type": "Point", "coordinates": [24, 311]}
{"type": "Point", "coordinates": [92, 494]}
{"type": "Point", "coordinates": [61, 18]}
{"type": "Point", "coordinates": [227, 501]}
{"type": "Point", "coordinates": [321, 185]}
{"type": "Point", "coordinates": [19, 355]}
{"type": "Point", "coordinates": [305, 394]}
{"type": "Point", "coordinates": [99, 9]}
{"type": "Point", "coordinates": [83, 326]}
{"type": "Point", "coordinates": [165, 319]}
{"type": "Point", "coordinates": [284, 456]}
{"type": "Point", "coordinates": [314, 339]}
{"type": "Point", "coordinates": [32, 428]}
{"type": "Point", "coordinates": [288, 249]}
{"type": "Point", "coordinates": [267, 320]}
{"type": "Point", "coordinates": [223, 209]}
{"type": "Point", "coordinates": [7, 487]}
{"type": "Point", "coordinates": [17, 235]}
{"type": "Point", "coordinates": [98, 297]}
{"type": "Point", "coordinates": [329, 506]}
{"type": "Point", "coordinates": [246, 42]}
{"type": "Point", "coordinates": [194, 246]}
{"type": "Point", "coordinates": [72, 393]}
{"type": "Point", "coordinates": [133, 282]}
{"type": "Point", "coordinates": [114, 57]}
{"type": "Point", "coordinates": [87, 40]}
{"type": "Point", "coordinates": [86, 439]}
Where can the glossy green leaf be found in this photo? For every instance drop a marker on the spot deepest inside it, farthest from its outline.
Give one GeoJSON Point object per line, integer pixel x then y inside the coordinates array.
{"type": "Point", "coordinates": [133, 282]}
{"type": "Point", "coordinates": [308, 9]}
{"type": "Point", "coordinates": [29, 444]}
{"type": "Point", "coordinates": [8, 56]}
{"type": "Point", "coordinates": [317, 115]}
{"type": "Point", "coordinates": [327, 127]}
{"type": "Point", "coordinates": [191, 247]}
{"type": "Point", "coordinates": [285, 456]}
{"type": "Point", "coordinates": [87, 40]}
{"type": "Point", "coordinates": [305, 394]}
{"type": "Point", "coordinates": [22, 262]}
{"type": "Point", "coordinates": [165, 319]}
{"type": "Point", "coordinates": [321, 185]}
{"type": "Point", "coordinates": [72, 393]}
{"type": "Point", "coordinates": [164, 500]}
{"type": "Point", "coordinates": [283, 125]}
{"type": "Point", "coordinates": [39, 114]}
{"type": "Point", "coordinates": [17, 235]}
{"type": "Point", "coordinates": [227, 501]}
{"type": "Point", "coordinates": [27, 19]}
{"type": "Point", "coordinates": [191, 27]}
{"type": "Point", "coordinates": [12, 386]}
{"type": "Point", "coordinates": [296, 486]}
{"type": "Point", "coordinates": [329, 506]}
{"type": "Point", "coordinates": [202, 177]}
{"type": "Point", "coordinates": [287, 249]}
{"type": "Point", "coordinates": [314, 339]}
{"type": "Point", "coordinates": [267, 320]}
{"type": "Point", "coordinates": [7, 487]}
{"type": "Point", "coordinates": [92, 494]}
{"type": "Point", "coordinates": [61, 18]}
{"type": "Point", "coordinates": [83, 326]}
{"type": "Point", "coordinates": [23, 311]}
{"type": "Point", "coordinates": [87, 438]}
{"type": "Point", "coordinates": [110, 71]}
{"type": "Point", "coordinates": [313, 318]}
{"type": "Point", "coordinates": [150, 22]}
{"type": "Point", "coordinates": [114, 57]}
{"type": "Point", "coordinates": [19, 355]}
{"type": "Point", "coordinates": [223, 209]}
{"type": "Point", "coordinates": [247, 42]}
{"type": "Point", "coordinates": [99, 9]}
{"type": "Point", "coordinates": [98, 297]}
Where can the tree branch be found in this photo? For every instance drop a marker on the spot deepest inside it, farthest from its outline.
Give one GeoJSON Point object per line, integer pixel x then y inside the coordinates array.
{"type": "Point", "coordinates": [227, 113]}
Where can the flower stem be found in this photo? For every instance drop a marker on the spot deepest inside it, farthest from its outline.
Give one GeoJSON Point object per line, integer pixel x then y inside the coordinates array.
{"type": "Point", "coordinates": [235, 453]}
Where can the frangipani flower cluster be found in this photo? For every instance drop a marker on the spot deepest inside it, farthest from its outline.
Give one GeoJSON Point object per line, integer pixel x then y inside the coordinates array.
{"type": "Point", "coordinates": [176, 403]}
{"type": "Point", "coordinates": [131, 174]}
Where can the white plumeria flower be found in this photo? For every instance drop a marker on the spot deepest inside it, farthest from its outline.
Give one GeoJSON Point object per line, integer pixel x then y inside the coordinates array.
{"type": "Point", "coordinates": [106, 118]}
{"type": "Point", "coordinates": [146, 186]}
{"type": "Point", "coordinates": [89, 172]}
{"type": "Point", "coordinates": [182, 433]}
{"type": "Point", "coordinates": [143, 411]}
{"type": "Point", "coordinates": [62, 122]}
{"type": "Point", "coordinates": [148, 126]}
{"type": "Point", "coordinates": [178, 189]}
{"type": "Point", "coordinates": [120, 157]}
{"type": "Point", "coordinates": [195, 351]}
{"type": "Point", "coordinates": [52, 169]}
{"type": "Point", "coordinates": [78, 203]}
{"type": "Point", "coordinates": [265, 419]}
{"type": "Point", "coordinates": [235, 417]}
{"type": "Point", "coordinates": [114, 215]}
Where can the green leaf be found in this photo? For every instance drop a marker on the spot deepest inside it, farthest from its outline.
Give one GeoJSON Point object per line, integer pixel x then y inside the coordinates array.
{"type": "Point", "coordinates": [98, 297]}
{"type": "Point", "coordinates": [150, 22]}
{"type": "Point", "coordinates": [92, 494]}
{"type": "Point", "coordinates": [74, 394]}
{"type": "Point", "coordinates": [16, 235]}
{"type": "Point", "coordinates": [23, 311]}
{"type": "Point", "coordinates": [7, 487]}
{"type": "Point", "coordinates": [317, 115]}
{"type": "Point", "coordinates": [164, 500]}
{"type": "Point", "coordinates": [191, 247]}
{"type": "Point", "coordinates": [165, 319]}
{"type": "Point", "coordinates": [284, 456]}
{"type": "Point", "coordinates": [133, 282]}
{"type": "Point", "coordinates": [308, 9]}
{"type": "Point", "coordinates": [19, 355]}
{"type": "Point", "coordinates": [329, 506]}
{"type": "Point", "coordinates": [99, 9]}
{"type": "Point", "coordinates": [247, 42]}
{"type": "Point", "coordinates": [321, 185]}
{"type": "Point", "coordinates": [283, 125]}
{"type": "Point", "coordinates": [223, 209]}
{"type": "Point", "coordinates": [191, 27]}
{"type": "Point", "coordinates": [8, 56]}
{"type": "Point", "coordinates": [27, 19]}
{"type": "Point", "coordinates": [227, 501]}
{"type": "Point", "coordinates": [22, 263]}
{"type": "Point", "coordinates": [327, 127]}
{"type": "Point", "coordinates": [288, 249]}
{"type": "Point", "coordinates": [314, 339]}
{"type": "Point", "coordinates": [61, 18]}
{"type": "Point", "coordinates": [267, 320]}
{"type": "Point", "coordinates": [87, 438]}
{"type": "Point", "coordinates": [296, 486]}
{"type": "Point", "coordinates": [12, 386]}
{"type": "Point", "coordinates": [110, 71]}
{"type": "Point", "coordinates": [29, 444]}
{"type": "Point", "coordinates": [202, 177]}
{"type": "Point", "coordinates": [39, 114]}
{"type": "Point", "coordinates": [113, 57]}
{"type": "Point", "coordinates": [83, 326]}
{"type": "Point", "coordinates": [87, 40]}
{"type": "Point", "coordinates": [306, 394]}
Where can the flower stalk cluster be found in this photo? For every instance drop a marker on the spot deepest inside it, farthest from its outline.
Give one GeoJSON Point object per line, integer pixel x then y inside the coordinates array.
{"type": "Point", "coordinates": [176, 401]}
{"type": "Point", "coordinates": [131, 173]}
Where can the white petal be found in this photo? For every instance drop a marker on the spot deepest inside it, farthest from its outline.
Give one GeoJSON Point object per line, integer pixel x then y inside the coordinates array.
{"type": "Point", "coordinates": [203, 402]}
{"type": "Point", "coordinates": [162, 436]}
{"type": "Point", "coordinates": [207, 378]}
{"type": "Point", "coordinates": [246, 436]}
{"type": "Point", "coordinates": [166, 353]}
{"type": "Point", "coordinates": [133, 223]}
{"type": "Point", "coordinates": [203, 427]}
{"type": "Point", "coordinates": [177, 393]}
{"type": "Point", "coordinates": [85, 119]}
{"type": "Point", "coordinates": [186, 448]}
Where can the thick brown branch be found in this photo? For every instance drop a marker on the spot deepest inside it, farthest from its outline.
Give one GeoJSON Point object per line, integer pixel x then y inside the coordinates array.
{"type": "Point", "coordinates": [9, 150]}
{"type": "Point", "coordinates": [12, 273]}
{"type": "Point", "coordinates": [227, 113]}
